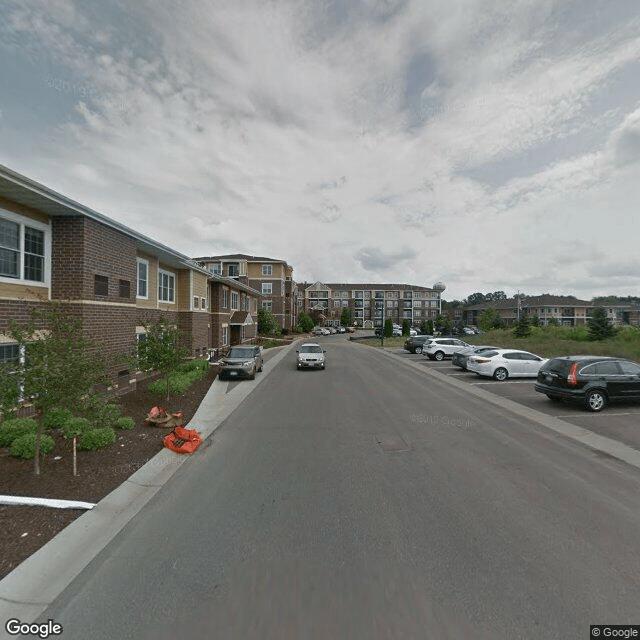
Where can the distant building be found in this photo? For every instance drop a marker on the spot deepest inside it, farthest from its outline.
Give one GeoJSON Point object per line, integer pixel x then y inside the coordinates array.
{"type": "Point", "coordinates": [371, 304]}
{"type": "Point", "coordinates": [273, 278]}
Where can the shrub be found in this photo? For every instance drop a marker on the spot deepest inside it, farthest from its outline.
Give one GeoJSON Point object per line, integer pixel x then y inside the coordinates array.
{"type": "Point", "coordinates": [100, 413]}
{"type": "Point", "coordinates": [75, 427]}
{"type": "Point", "coordinates": [95, 438]}
{"type": "Point", "coordinates": [15, 428]}
{"type": "Point", "coordinates": [125, 423]}
{"type": "Point", "coordinates": [25, 446]}
{"type": "Point", "coordinates": [56, 417]}
{"type": "Point", "coordinates": [388, 328]}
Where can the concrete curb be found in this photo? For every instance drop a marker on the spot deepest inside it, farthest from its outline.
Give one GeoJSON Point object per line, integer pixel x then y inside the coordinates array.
{"type": "Point", "coordinates": [34, 584]}
{"type": "Point", "coordinates": [579, 434]}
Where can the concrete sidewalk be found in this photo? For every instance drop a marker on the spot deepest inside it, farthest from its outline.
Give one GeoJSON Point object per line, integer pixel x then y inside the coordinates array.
{"type": "Point", "coordinates": [34, 584]}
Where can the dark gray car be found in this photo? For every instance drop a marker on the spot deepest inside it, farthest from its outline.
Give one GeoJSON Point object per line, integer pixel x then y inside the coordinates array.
{"type": "Point", "coordinates": [241, 361]}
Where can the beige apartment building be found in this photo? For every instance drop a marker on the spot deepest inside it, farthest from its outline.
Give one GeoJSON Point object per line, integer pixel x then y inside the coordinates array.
{"type": "Point", "coordinates": [272, 278]}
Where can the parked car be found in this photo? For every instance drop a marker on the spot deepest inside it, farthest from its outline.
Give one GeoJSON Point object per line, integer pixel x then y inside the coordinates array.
{"type": "Point", "coordinates": [505, 363]}
{"type": "Point", "coordinates": [594, 381]}
{"type": "Point", "coordinates": [459, 358]}
{"type": "Point", "coordinates": [341, 329]}
{"type": "Point", "coordinates": [311, 356]}
{"type": "Point", "coordinates": [397, 332]}
{"type": "Point", "coordinates": [441, 348]}
{"type": "Point", "coordinates": [332, 330]}
{"type": "Point", "coordinates": [414, 344]}
{"type": "Point", "coordinates": [241, 361]}
{"type": "Point", "coordinates": [413, 332]}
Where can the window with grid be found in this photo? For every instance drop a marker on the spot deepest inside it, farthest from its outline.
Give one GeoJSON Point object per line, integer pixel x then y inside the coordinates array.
{"type": "Point", "coordinates": [267, 269]}
{"type": "Point", "coordinates": [22, 250]}
{"type": "Point", "coordinates": [166, 286]}
{"type": "Point", "coordinates": [100, 285]}
{"type": "Point", "coordinates": [235, 300]}
{"type": "Point", "coordinates": [267, 288]}
{"type": "Point", "coordinates": [124, 288]}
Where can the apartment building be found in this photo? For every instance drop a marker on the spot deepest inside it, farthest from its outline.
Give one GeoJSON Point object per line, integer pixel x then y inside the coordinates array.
{"type": "Point", "coordinates": [271, 277]}
{"type": "Point", "coordinates": [113, 278]}
{"type": "Point", "coordinates": [371, 304]}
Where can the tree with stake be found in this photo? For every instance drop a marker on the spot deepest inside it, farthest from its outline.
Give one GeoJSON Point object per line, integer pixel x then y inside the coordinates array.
{"type": "Point", "coordinates": [61, 368]}
{"type": "Point", "coordinates": [161, 351]}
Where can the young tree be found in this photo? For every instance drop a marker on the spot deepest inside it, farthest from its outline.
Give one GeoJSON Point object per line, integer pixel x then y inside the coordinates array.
{"type": "Point", "coordinates": [489, 319]}
{"type": "Point", "coordinates": [306, 322]}
{"type": "Point", "coordinates": [345, 318]}
{"type": "Point", "coordinates": [405, 327]}
{"type": "Point", "coordinates": [600, 327]}
{"type": "Point", "coordinates": [9, 388]}
{"type": "Point", "coordinates": [388, 327]}
{"type": "Point", "coordinates": [267, 323]}
{"type": "Point", "coordinates": [161, 351]}
{"type": "Point", "coordinates": [61, 368]}
{"type": "Point", "coordinates": [522, 328]}
{"type": "Point", "coordinates": [443, 324]}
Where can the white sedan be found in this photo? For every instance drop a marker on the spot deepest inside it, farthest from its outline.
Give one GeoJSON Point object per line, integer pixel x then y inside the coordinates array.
{"type": "Point", "coordinates": [505, 363]}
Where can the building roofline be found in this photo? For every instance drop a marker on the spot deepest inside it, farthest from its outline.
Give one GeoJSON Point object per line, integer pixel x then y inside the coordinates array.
{"type": "Point", "coordinates": [32, 194]}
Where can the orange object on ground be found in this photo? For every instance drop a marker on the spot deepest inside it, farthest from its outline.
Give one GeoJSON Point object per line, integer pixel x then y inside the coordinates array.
{"type": "Point", "coordinates": [183, 440]}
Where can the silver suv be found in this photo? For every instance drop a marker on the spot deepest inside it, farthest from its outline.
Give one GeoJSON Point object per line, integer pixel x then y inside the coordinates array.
{"type": "Point", "coordinates": [441, 348]}
{"type": "Point", "coordinates": [241, 361]}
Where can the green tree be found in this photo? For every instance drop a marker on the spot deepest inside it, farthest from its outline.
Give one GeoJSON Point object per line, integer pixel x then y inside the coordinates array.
{"type": "Point", "coordinates": [306, 322]}
{"type": "Point", "coordinates": [443, 324]}
{"type": "Point", "coordinates": [9, 388]}
{"type": "Point", "coordinates": [388, 327]}
{"type": "Point", "coordinates": [600, 327]}
{"type": "Point", "coordinates": [267, 323]}
{"type": "Point", "coordinates": [61, 368]}
{"type": "Point", "coordinates": [405, 327]}
{"type": "Point", "coordinates": [489, 319]}
{"type": "Point", "coordinates": [345, 318]}
{"type": "Point", "coordinates": [522, 328]}
{"type": "Point", "coordinates": [161, 351]}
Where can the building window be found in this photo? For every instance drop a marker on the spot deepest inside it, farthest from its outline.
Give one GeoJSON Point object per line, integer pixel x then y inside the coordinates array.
{"type": "Point", "coordinates": [124, 288]}
{"type": "Point", "coordinates": [143, 279]}
{"type": "Point", "coordinates": [22, 248]}
{"type": "Point", "coordinates": [267, 304]}
{"type": "Point", "coordinates": [9, 353]}
{"type": "Point", "coordinates": [225, 298]}
{"type": "Point", "coordinates": [267, 288]}
{"type": "Point", "coordinates": [233, 270]}
{"type": "Point", "coordinates": [225, 336]}
{"type": "Point", "coordinates": [196, 302]}
{"type": "Point", "coordinates": [216, 269]}
{"type": "Point", "coordinates": [267, 270]}
{"type": "Point", "coordinates": [203, 302]}
{"type": "Point", "coordinates": [100, 285]}
{"type": "Point", "coordinates": [166, 286]}
{"type": "Point", "coordinates": [235, 298]}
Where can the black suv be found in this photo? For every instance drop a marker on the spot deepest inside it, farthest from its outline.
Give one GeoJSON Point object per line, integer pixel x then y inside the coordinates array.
{"type": "Point", "coordinates": [592, 380]}
{"type": "Point", "coordinates": [414, 343]}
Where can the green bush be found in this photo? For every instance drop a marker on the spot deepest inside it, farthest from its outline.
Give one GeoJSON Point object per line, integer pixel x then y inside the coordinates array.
{"type": "Point", "coordinates": [15, 428]}
{"type": "Point", "coordinates": [25, 446]}
{"type": "Point", "coordinates": [99, 412]}
{"type": "Point", "coordinates": [195, 365]}
{"type": "Point", "coordinates": [56, 417]}
{"type": "Point", "coordinates": [75, 427]}
{"type": "Point", "coordinates": [181, 381]}
{"type": "Point", "coordinates": [95, 438]}
{"type": "Point", "coordinates": [125, 423]}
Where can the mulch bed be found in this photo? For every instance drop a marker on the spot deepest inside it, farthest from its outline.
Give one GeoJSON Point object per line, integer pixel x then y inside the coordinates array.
{"type": "Point", "coordinates": [26, 529]}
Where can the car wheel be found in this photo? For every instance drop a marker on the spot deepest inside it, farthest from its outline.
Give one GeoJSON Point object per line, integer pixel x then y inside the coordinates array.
{"type": "Point", "coordinates": [417, 350]}
{"type": "Point", "coordinates": [253, 374]}
{"type": "Point", "coordinates": [500, 374]}
{"type": "Point", "coordinates": [439, 355]}
{"type": "Point", "coordinates": [596, 400]}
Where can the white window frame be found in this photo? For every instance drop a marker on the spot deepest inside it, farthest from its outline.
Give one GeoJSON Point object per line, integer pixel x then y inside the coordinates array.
{"type": "Point", "coordinates": [22, 222]}
{"type": "Point", "coordinates": [267, 269]}
{"type": "Point", "coordinates": [267, 288]}
{"type": "Point", "coordinates": [172, 278]}
{"type": "Point", "coordinates": [225, 336]}
{"type": "Point", "coordinates": [235, 300]}
{"type": "Point", "coordinates": [139, 262]}
{"type": "Point", "coordinates": [266, 304]}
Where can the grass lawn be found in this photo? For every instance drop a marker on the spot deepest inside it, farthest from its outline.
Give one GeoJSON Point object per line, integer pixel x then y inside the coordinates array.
{"type": "Point", "coordinates": [549, 342]}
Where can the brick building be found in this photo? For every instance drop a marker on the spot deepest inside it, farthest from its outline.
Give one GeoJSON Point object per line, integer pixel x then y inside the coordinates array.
{"type": "Point", "coordinates": [112, 277]}
{"type": "Point", "coordinates": [371, 304]}
{"type": "Point", "coordinates": [271, 277]}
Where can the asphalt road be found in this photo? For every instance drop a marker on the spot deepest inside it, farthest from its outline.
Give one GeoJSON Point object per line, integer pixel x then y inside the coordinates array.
{"type": "Point", "coordinates": [371, 501]}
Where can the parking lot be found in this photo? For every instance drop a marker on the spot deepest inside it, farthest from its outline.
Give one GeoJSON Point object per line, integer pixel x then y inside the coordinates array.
{"type": "Point", "coordinates": [617, 421]}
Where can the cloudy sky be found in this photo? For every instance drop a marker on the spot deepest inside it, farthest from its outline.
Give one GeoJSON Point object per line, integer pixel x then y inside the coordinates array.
{"type": "Point", "coordinates": [488, 144]}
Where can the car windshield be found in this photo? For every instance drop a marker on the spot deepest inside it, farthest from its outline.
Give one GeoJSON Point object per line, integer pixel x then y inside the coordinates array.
{"type": "Point", "coordinates": [310, 348]}
{"type": "Point", "coordinates": [240, 353]}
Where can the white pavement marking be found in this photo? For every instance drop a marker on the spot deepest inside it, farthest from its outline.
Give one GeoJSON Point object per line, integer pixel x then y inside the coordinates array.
{"type": "Point", "coordinates": [35, 583]}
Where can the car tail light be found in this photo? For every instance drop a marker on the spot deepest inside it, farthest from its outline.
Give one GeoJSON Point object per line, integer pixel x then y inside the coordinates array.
{"type": "Point", "coordinates": [482, 360]}
{"type": "Point", "coordinates": [572, 378]}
